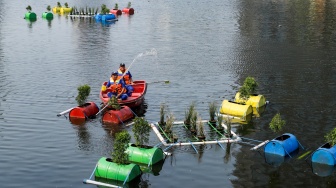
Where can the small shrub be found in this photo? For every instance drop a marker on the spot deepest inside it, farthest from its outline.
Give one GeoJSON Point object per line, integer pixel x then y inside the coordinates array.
{"type": "Point", "coordinates": [66, 5]}
{"type": "Point", "coordinates": [116, 6]}
{"type": "Point", "coordinates": [129, 5]}
{"type": "Point", "coordinates": [83, 93]}
{"type": "Point", "coordinates": [162, 114]}
{"type": "Point", "coordinates": [249, 87]}
{"type": "Point", "coordinates": [220, 121]}
{"type": "Point", "coordinates": [28, 8]}
{"type": "Point", "coordinates": [113, 103]}
{"type": "Point", "coordinates": [331, 137]}
{"type": "Point", "coordinates": [141, 129]}
{"type": "Point", "coordinates": [169, 123]}
{"type": "Point", "coordinates": [48, 8]}
{"type": "Point", "coordinates": [212, 111]}
{"type": "Point", "coordinates": [59, 4]}
{"type": "Point", "coordinates": [193, 121]}
{"type": "Point", "coordinates": [189, 113]}
{"type": "Point", "coordinates": [120, 145]}
{"type": "Point", "coordinates": [277, 123]}
{"type": "Point", "coordinates": [200, 127]}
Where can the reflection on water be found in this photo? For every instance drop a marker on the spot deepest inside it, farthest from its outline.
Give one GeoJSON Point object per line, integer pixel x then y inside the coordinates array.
{"type": "Point", "coordinates": [322, 170]}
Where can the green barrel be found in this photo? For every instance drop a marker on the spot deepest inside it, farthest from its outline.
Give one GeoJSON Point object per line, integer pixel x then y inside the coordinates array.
{"type": "Point", "coordinates": [144, 155]}
{"type": "Point", "coordinates": [110, 170]}
{"type": "Point", "coordinates": [48, 15]}
{"type": "Point", "coordinates": [30, 16]}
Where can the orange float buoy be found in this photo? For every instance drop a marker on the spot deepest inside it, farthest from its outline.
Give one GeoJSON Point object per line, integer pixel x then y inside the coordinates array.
{"type": "Point", "coordinates": [116, 12]}
{"type": "Point", "coordinates": [129, 11]}
{"type": "Point", "coordinates": [84, 111]}
{"type": "Point", "coordinates": [118, 116]}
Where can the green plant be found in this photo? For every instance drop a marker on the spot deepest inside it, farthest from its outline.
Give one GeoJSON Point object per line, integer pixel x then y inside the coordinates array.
{"type": "Point", "coordinates": [59, 4]}
{"type": "Point", "coordinates": [83, 93]}
{"type": "Point", "coordinates": [66, 5]}
{"type": "Point", "coordinates": [104, 9]}
{"type": "Point", "coordinates": [129, 5]}
{"type": "Point", "coordinates": [48, 8]}
{"type": "Point", "coordinates": [220, 121]}
{"type": "Point", "coordinates": [141, 129]}
{"type": "Point", "coordinates": [277, 123]}
{"type": "Point", "coordinates": [120, 145]}
{"type": "Point", "coordinates": [193, 121]}
{"type": "Point", "coordinates": [28, 8]}
{"type": "Point", "coordinates": [228, 123]}
{"type": "Point", "coordinates": [331, 137]}
{"type": "Point", "coordinates": [188, 113]}
{"type": "Point", "coordinates": [116, 6]}
{"type": "Point", "coordinates": [212, 111]}
{"type": "Point", "coordinates": [113, 103]}
{"type": "Point", "coordinates": [169, 123]}
{"type": "Point", "coordinates": [249, 87]}
{"type": "Point", "coordinates": [200, 127]}
{"type": "Point", "coordinates": [162, 114]}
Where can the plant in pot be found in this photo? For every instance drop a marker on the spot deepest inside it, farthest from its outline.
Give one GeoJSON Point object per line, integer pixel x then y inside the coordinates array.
{"type": "Point", "coordinates": [59, 4]}
{"type": "Point", "coordinates": [200, 129]}
{"type": "Point", "coordinates": [141, 130]}
{"type": "Point", "coordinates": [48, 8]}
{"type": "Point", "coordinates": [188, 114]}
{"type": "Point", "coordinates": [228, 123]}
{"type": "Point", "coordinates": [162, 115]}
{"type": "Point", "coordinates": [129, 5]}
{"type": "Point", "coordinates": [28, 8]}
{"type": "Point", "coordinates": [83, 93]}
{"type": "Point", "coordinates": [128, 9]}
{"type": "Point", "coordinates": [212, 113]}
{"type": "Point", "coordinates": [113, 103]}
{"type": "Point", "coordinates": [66, 5]}
{"type": "Point", "coordinates": [169, 125]}
{"type": "Point", "coordinates": [277, 124]}
{"type": "Point", "coordinates": [104, 9]}
{"type": "Point", "coordinates": [193, 123]}
{"type": "Point", "coordinates": [249, 87]}
{"type": "Point", "coordinates": [219, 126]}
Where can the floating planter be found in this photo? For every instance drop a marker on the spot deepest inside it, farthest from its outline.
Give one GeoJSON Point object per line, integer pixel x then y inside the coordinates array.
{"type": "Point", "coordinates": [48, 15]}
{"type": "Point", "coordinates": [242, 111]}
{"type": "Point", "coordinates": [110, 170]}
{"type": "Point", "coordinates": [325, 155]}
{"type": "Point", "coordinates": [116, 12]}
{"type": "Point", "coordinates": [129, 11]}
{"type": "Point", "coordinates": [56, 9]}
{"type": "Point", "coordinates": [145, 154]}
{"type": "Point", "coordinates": [322, 169]}
{"type": "Point", "coordinates": [282, 145]}
{"type": "Point", "coordinates": [64, 10]}
{"type": "Point", "coordinates": [118, 116]}
{"type": "Point", "coordinates": [30, 16]}
{"type": "Point", "coordinates": [105, 17]}
{"type": "Point", "coordinates": [258, 103]}
{"type": "Point", "coordinates": [84, 111]}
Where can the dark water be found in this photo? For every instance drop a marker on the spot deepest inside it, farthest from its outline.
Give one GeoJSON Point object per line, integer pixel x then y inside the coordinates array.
{"type": "Point", "coordinates": [204, 48]}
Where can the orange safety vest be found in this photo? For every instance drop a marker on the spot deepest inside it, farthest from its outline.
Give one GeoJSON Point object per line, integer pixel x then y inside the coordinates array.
{"type": "Point", "coordinates": [126, 77]}
{"type": "Point", "coordinates": [116, 87]}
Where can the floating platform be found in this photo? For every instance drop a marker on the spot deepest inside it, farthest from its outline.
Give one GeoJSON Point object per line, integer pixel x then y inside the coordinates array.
{"type": "Point", "coordinates": [325, 154]}
{"type": "Point", "coordinates": [282, 145]}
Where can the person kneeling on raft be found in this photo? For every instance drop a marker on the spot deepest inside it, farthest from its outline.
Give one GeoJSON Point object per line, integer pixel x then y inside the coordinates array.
{"type": "Point", "coordinates": [117, 87]}
{"type": "Point", "coordinates": [127, 77]}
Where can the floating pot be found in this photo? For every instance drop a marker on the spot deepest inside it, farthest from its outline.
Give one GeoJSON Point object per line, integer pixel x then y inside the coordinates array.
{"type": "Point", "coordinates": [56, 9]}
{"type": "Point", "coordinates": [254, 100]}
{"type": "Point", "coordinates": [282, 145]}
{"type": "Point", "coordinates": [118, 116]}
{"type": "Point", "coordinates": [243, 111]}
{"type": "Point", "coordinates": [116, 12]}
{"type": "Point", "coordinates": [325, 155]}
{"type": "Point", "coordinates": [48, 15]}
{"type": "Point", "coordinates": [110, 170]}
{"type": "Point", "coordinates": [30, 16]}
{"type": "Point", "coordinates": [65, 10]}
{"type": "Point", "coordinates": [84, 111]}
{"type": "Point", "coordinates": [108, 17]}
{"type": "Point", "coordinates": [129, 11]}
{"type": "Point", "coordinates": [144, 154]}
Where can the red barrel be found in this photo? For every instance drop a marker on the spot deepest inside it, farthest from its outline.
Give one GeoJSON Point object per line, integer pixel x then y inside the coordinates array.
{"type": "Point", "coordinates": [129, 11]}
{"type": "Point", "coordinates": [84, 111]}
{"type": "Point", "coordinates": [116, 12]}
{"type": "Point", "coordinates": [118, 116]}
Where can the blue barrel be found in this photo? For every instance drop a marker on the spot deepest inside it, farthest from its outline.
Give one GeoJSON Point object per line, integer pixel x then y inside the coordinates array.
{"type": "Point", "coordinates": [108, 17]}
{"type": "Point", "coordinates": [282, 145]}
{"type": "Point", "coordinates": [98, 17]}
{"type": "Point", "coordinates": [325, 155]}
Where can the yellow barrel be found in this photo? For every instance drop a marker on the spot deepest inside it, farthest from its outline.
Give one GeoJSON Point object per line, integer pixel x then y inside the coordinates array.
{"type": "Point", "coordinates": [243, 111]}
{"type": "Point", "coordinates": [65, 10]}
{"type": "Point", "coordinates": [56, 9]}
{"type": "Point", "coordinates": [255, 101]}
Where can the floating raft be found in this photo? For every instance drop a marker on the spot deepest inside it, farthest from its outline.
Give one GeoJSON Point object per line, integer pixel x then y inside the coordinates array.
{"type": "Point", "coordinates": [325, 155]}
{"type": "Point", "coordinates": [110, 170]}
{"type": "Point", "coordinates": [282, 145]}
{"type": "Point", "coordinates": [84, 111]}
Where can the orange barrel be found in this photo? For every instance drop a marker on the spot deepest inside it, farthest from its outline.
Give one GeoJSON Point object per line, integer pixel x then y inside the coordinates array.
{"type": "Point", "coordinates": [118, 116]}
{"type": "Point", "coordinates": [116, 12]}
{"type": "Point", "coordinates": [84, 111]}
{"type": "Point", "coordinates": [129, 11]}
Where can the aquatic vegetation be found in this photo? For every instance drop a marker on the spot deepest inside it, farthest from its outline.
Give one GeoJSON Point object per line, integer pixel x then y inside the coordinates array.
{"type": "Point", "coordinates": [249, 87]}
{"type": "Point", "coordinates": [277, 123]}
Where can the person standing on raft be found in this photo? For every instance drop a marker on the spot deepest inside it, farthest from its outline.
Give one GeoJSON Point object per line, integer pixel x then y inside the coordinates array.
{"type": "Point", "coordinates": [117, 87]}
{"type": "Point", "coordinates": [127, 77]}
